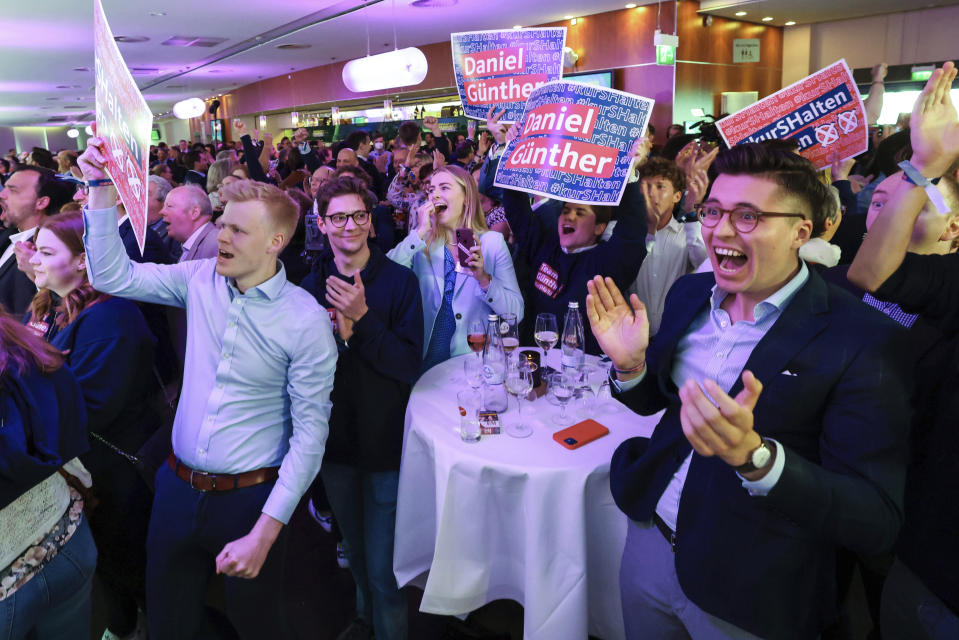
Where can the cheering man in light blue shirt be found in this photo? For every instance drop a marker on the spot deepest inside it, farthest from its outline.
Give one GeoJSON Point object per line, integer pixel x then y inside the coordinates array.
{"type": "Point", "coordinates": [784, 433]}
{"type": "Point", "coordinates": [252, 421]}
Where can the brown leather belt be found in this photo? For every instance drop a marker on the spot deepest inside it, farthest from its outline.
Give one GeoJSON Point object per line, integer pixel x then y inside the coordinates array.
{"type": "Point", "coordinates": [664, 529]}
{"type": "Point", "coordinates": [203, 481]}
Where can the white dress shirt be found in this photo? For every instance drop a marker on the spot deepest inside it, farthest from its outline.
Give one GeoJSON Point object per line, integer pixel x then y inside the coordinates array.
{"type": "Point", "coordinates": [260, 364]}
{"type": "Point", "coordinates": [672, 252]}
{"type": "Point", "coordinates": [21, 236]}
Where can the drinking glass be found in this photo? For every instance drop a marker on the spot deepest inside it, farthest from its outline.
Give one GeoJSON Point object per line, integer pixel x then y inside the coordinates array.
{"type": "Point", "coordinates": [476, 336]}
{"type": "Point", "coordinates": [509, 330]}
{"type": "Point", "coordinates": [562, 386]}
{"type": "Point", "coordinates": [546, 333]}
{"type": "Point", "coordinates": [469, 403]}
{"type": "Point", "coordinates": [519, 382]}
{"type": "Point", "coordinates": [473, 368]}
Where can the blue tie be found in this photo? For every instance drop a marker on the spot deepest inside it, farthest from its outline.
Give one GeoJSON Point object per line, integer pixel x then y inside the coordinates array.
{"type": "Point", "coordinates": [445, 325]}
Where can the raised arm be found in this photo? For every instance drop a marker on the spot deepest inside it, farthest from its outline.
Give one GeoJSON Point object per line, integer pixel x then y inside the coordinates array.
{"type": "Point", "coordinates": [109, 268]}
{"type": "Point", "coordinates": [934, 133]}
{"type": "Point", "coordinates": [873, 104]}
{"type": "Point", "coordinates": [250, 153]}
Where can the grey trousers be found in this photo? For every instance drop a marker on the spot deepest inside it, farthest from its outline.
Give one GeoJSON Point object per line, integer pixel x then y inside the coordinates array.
{"type": "Point", "coordinates": [654, 605]}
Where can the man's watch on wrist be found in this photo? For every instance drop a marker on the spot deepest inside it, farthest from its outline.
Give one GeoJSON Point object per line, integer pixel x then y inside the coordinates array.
{"type": "Point", "coordinates": [758, 458]}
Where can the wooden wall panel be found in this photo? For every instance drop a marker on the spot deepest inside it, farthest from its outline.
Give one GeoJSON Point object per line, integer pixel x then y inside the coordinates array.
{"type": "Point", "coordinates": [705, 68]}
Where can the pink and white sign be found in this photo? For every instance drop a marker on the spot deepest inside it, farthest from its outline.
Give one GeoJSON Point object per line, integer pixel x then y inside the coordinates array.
{"type": "Point", "coordinates": [823, 112]}
{"type": "Point", "coordinates": [124, 121]}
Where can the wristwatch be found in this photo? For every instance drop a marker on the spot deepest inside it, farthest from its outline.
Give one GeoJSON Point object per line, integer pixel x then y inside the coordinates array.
{"type": "Point", "coordinates": [757, 459]}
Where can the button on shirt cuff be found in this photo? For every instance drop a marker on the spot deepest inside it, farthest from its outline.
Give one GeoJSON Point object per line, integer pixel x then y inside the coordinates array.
{"type": "Point", "coordinates": [765, 484]}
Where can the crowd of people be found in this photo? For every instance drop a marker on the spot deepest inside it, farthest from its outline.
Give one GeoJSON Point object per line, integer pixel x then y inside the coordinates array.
{"type": "Point", "coordinates": [163, 412]}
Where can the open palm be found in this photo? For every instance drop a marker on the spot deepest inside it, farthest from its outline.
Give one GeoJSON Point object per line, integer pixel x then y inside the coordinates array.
{"type": "Point", "coordinates": [621, 328]}
{"type": "Point", "coordinates": [934, 125]}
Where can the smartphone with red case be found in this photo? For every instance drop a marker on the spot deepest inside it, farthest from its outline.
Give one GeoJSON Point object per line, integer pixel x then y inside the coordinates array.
{"type": "Point", "coordinates": [580, 433]}
{"type": "Point", "coordinates": [464, 241]}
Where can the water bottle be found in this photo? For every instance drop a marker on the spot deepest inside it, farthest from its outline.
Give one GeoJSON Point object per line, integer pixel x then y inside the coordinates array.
{"type": "Point", "coordinates": [494, 367]}
{"type": "Point", "coordinates": [574, 341]}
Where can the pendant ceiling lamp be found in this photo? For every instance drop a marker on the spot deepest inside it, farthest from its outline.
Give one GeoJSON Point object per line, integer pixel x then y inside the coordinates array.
{"type": "Point", "coordinates": [397, 68]}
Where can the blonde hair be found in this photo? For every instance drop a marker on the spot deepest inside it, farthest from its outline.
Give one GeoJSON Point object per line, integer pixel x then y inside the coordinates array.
{"type": "Point", "coordinates": [215, 174]}
{"type": "Point", "coordinates": [472, 215]}
{"type": "Point", "coordinates": [283, 212]}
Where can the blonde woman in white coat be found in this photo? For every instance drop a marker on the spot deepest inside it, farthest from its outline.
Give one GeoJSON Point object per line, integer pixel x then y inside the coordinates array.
{"type": "Point", "coordinates": [454, 298]}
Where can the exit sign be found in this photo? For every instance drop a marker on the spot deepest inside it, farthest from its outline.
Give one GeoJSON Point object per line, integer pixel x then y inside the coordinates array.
{"type": "Point", "coordinates": [921, 74]}
{"type": "Point", "coordinates": [665, 55]}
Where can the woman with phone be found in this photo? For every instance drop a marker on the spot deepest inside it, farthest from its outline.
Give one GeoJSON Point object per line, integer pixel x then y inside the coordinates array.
{"type": "Point", "coordinates": [465, 270]}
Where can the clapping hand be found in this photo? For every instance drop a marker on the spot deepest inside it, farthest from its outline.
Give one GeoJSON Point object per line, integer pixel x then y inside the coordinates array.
{"type": "Point", "coordinates": [349, 300]}
{"type": "Point", "coordinates": [300, 136]}
{"type": "Point", "coordinates": [722, 426]}
{"type": "Point", "coordinates": [381, 162]}
{"type": "Point", "coordinates": [471, 130]}
{"type": "Point", "coordinates": [934, 127]}
{"type": "Point", "coordinates": [240, 127]}
{"type": "Point", "coordinates": [438, 159]}
{"type": "Point", "coordinates": [24, 251]}
{"type": "Point", "coordinates": [839, 169]}
{"type": "Point", "coordinates": [621, 328]}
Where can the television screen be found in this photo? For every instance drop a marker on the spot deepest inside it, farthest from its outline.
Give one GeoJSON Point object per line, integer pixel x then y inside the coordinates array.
{"type": "Point", "coordinates": [599, 78]}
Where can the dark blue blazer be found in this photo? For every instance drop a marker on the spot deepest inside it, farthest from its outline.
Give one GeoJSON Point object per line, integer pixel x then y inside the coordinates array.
{"type": "Point", "coordinates": [767, 564]}
{"type": "Point", "coordinates": [44, 426]}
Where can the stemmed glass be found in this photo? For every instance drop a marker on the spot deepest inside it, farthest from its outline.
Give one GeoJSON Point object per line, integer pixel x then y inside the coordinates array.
{"type": "Point", "coordinates": [509, 330]}
{"type": "Point", "coordinates": [476, 336]}
{"type": "Point", "coordinates": [473, 369]}
{"type": "Point", "coordinates": [519, 382]}
{"type": "Point", "coordinates": [562, 386]}
{"type": "Point", "coordinates": [546, 333]}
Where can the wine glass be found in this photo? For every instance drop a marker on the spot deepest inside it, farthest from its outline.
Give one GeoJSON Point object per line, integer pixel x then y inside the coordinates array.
{"type": "Point", "coordinates": [476, 336]}
{"type": "Point", "coordinates": [562, 386]}
{"type": "Point", "coordinates": [509, 330]}
{"type": "Point", "coordinates": [473, 369]}
{"type": "Point", "coordinates": [519, 382]}
{"type": "Point", "coordinates": [546, 333]}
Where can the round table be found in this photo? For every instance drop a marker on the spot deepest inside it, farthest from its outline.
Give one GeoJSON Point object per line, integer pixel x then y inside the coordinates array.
{"type": "Point", "coordinates": [524, 519]}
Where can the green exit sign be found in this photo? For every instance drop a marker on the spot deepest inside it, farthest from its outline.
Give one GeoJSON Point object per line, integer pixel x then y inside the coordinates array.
{"type": "Point", "coordinates": [665, 55]}
{"type": "Point", "coordinates": [921, 74]}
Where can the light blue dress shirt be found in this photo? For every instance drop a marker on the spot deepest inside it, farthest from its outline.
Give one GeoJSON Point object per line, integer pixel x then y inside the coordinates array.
{"type": "Point", "coordinates": [259, 365]}
{"type": "Point", "coordinates": [715, 348]}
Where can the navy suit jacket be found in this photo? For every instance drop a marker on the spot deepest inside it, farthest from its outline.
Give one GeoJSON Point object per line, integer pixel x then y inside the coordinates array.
{"type": "Point", "coordinates": [767, 564]}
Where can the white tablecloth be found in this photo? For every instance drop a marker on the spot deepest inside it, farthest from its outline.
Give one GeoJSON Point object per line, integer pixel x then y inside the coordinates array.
{"type": "Point", "coordinates": [524, 519]}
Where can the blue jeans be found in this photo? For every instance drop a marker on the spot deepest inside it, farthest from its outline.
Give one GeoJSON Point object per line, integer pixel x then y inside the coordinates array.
{"type": "Point", "coordinates": [364, 505]}
{"type": "Point", "coordinates": [188, 529]}
{"type": "Point", "coordinates": [55, 603]}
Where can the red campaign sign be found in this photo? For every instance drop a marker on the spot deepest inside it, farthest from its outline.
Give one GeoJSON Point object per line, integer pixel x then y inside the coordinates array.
{"type": "Point", "coordinates": [124, 122]}
{"type": "Point", "coordinates": [822, 113]}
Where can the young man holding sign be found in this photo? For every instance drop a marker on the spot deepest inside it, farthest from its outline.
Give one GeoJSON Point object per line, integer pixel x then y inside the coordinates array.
{"type": "Point", "coordinates": [251, 424]}
{"type": "Point", "coordinates": [784, 436]}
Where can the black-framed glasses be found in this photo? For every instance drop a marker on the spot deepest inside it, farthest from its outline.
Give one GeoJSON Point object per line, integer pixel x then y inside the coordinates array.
{"type": "Point", "coordinates": [745, 219]}
{"type": "Point", "coordinates": [360, 218]}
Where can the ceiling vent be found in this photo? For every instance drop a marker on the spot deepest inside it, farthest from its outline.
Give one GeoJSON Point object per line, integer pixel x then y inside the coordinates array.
{"type": "Point", "coordinates": [58, 119]}
{"type": "Point", "coordinates": [288, 47]}
{"type": "Point", "coordinates": [130, 39]}
{"type": "Point", "coordinates": [73, 106]}
{"type": "Point", "coordinates": [144, 71]}
{"type": "Point", "coordinates": [192, 41]}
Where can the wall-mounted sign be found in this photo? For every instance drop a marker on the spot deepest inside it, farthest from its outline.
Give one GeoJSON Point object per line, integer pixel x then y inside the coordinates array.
{"type": "Point", "coordinates": [665, 55]}
{"type": "Point", "coordinates": [746, 50]}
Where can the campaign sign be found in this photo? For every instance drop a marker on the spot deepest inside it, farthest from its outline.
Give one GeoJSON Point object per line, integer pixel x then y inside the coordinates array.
{"type": "Point", "coordinates": [124, 121]}
{"type": "Point", "coordinates": [823, 113]}
{"type": "Point", "coordinates": [574, 143]}
{"type": "Point", "coordinates": [502, 68]}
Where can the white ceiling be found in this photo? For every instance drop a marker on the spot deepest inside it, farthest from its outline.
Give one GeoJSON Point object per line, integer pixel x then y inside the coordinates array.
{"type": "Point", "coordinates": [45, 40]}
{"type": "Point", "coordinates": [807, 11]}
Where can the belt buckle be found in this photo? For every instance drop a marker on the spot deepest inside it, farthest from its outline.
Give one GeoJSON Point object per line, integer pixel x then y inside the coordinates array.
{"type": "Point", "coordinates": [194, 472]}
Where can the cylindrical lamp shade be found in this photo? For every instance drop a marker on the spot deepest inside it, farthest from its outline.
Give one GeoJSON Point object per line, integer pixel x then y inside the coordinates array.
{"type": "Point", "coordinates": [191, 108]}
{"type": "Point", "coordinates": [400, 68]}
{"type": "Point", "coordinates": [73, 133]}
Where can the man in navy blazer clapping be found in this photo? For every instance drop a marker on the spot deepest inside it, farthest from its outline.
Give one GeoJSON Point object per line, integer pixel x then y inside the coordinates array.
{"type": "Point", "coordinates": [785, 431]}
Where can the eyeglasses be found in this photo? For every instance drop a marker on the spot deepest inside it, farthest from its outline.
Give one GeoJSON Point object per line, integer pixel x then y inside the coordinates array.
{"type": "Point", "coordinates": [745, 219]}
{"type": "Point", "coordinates": [360, 218]}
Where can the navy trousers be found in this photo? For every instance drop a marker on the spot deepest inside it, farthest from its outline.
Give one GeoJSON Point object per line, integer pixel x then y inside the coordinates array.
{"type": "Point", "coordinates": [188, 529]}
